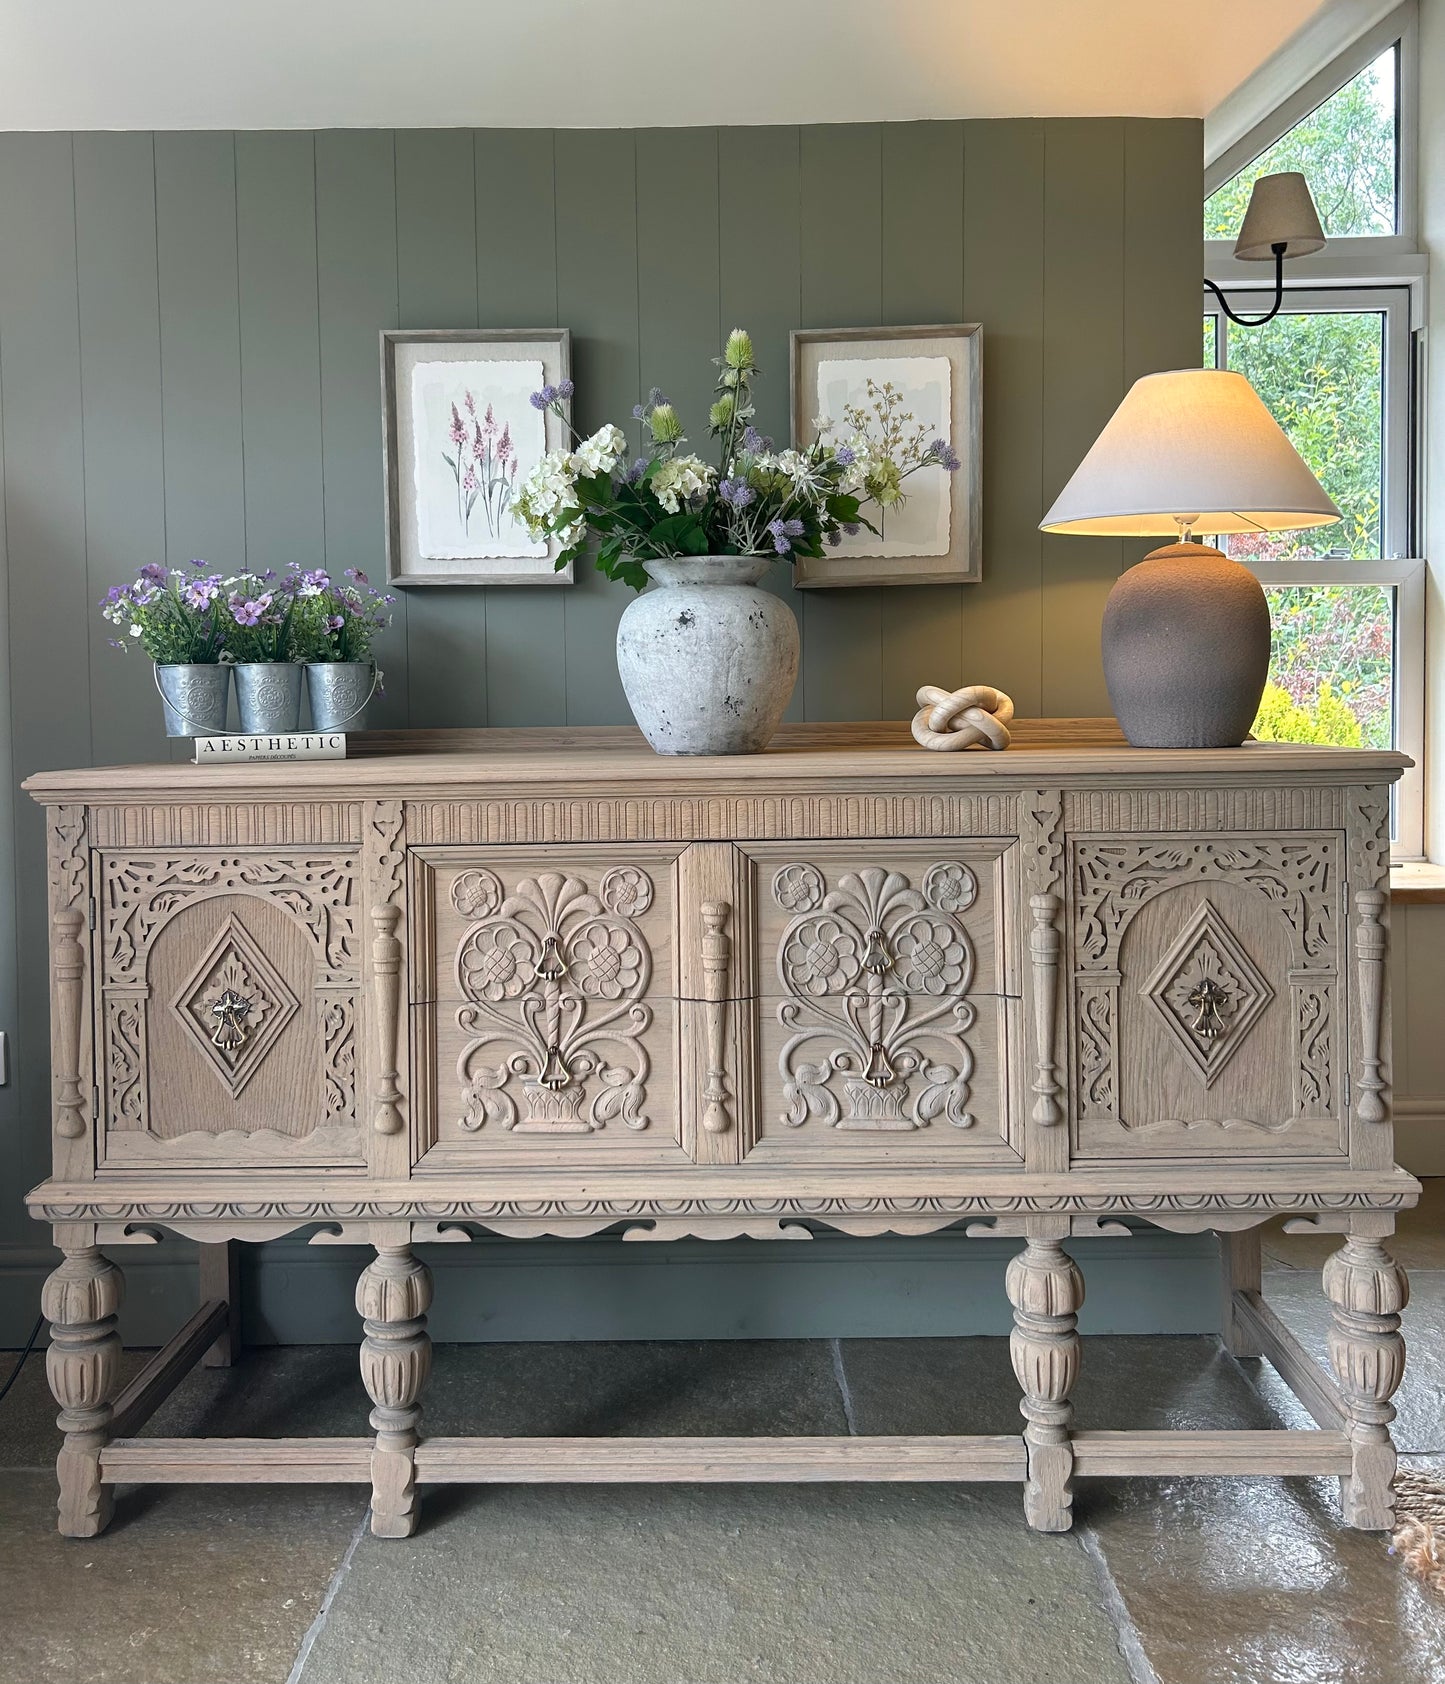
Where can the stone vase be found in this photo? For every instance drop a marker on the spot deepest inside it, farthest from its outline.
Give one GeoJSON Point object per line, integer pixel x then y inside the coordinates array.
{"type": "Point", "coordinates": [707, 658]}
{"type": "Point", "coordinates": [1186, 649]}
{"type": "Point", "coordinates": [339, 692]}
{"type": "Point", "coordinates": [195, 695]}
{"type": "Point", "coordinates": [268, 694]}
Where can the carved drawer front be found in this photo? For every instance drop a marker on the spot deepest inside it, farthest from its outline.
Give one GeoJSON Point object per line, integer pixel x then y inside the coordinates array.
{"type": "Point", "coordinates": [887, 1002]}
{"type": "Point", "coordinates": [1208, 1008]}
{"type": "Point", "coordinates": [543, 1011]}
{"type": "Point", "coordinates": [227, 1008]}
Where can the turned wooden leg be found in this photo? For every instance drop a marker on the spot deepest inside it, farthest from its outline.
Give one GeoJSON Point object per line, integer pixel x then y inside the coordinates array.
{"type": "Point", "coordinates": [221, 1278]}
{"type": "Point", "coordinates": [1240, 1270]}
{"type": "Point", "coordinates": [1046, 1289]}
{"type": "Point", "coordinates": [392, 1297]}
{"type": "Point", "coordinates": [80, 1301]}
{"type": "Point", "coordinates": [1367, 1290]}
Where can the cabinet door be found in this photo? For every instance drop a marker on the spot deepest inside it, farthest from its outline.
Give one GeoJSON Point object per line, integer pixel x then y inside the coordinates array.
{"type": "Point", "coordinates": [543, 1008]}
{"type": "Point", "coordinates": [227, 1008]}
{"type": "Point", "coordinates": [1208, 1011]}
{"type": "Point", "coordinates": [888, 1009]}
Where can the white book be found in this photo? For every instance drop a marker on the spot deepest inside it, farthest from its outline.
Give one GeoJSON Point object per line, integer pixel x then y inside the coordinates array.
{"type": "Point", "coordinates": [292, 745]}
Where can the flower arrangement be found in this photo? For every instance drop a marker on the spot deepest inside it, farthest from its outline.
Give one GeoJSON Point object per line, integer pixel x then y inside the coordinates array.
{"type": "Point", "coordinates": [188, 615]}
{"type": "Point", "coordinates": [757, 501]}
{"type": "Point", "coordinates": [334, 622]}
{"type": "Point", "coordinates": [177, 615]}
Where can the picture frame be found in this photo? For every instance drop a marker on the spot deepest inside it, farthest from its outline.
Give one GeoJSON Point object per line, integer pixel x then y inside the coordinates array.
{"type": "Point", "coordinates": [459, 433]}
{"type": "Point", "coordinates": [942, 542]}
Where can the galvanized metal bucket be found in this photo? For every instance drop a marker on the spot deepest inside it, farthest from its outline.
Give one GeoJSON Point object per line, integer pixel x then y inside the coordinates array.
{"type": "Point", "coordinates": [269, 695]}
{"type": "Point", "coordinates": [195, 696]}
{"type": "Point", "coordinates": [339, 692]}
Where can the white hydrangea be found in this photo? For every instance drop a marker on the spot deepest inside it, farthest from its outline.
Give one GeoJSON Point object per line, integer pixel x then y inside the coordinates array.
{"type": "Point", "coordinates": [851, 479]}
{"type": "Point", "coordinates": [601, 453]}
{"type": "Point", "coordinates": [680, 479]}
{"type": "Point", "coordinates": [548, 490]}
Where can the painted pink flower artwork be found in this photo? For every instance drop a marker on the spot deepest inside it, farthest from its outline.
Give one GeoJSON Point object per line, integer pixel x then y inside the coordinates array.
{"type": "Point", "coordinates": [475, 434]}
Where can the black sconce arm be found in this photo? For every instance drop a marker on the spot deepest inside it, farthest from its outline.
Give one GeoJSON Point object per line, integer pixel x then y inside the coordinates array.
{"type": "Point", "coordinates": [1273, 311]}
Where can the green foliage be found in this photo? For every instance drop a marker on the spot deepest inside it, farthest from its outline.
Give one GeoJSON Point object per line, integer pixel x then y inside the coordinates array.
{"type": "Point", "coordinates": [1320, 374]}
{"type": "Point", "coordinates": [1346, 150]}
{"type": "Point", "coordinates": [1283, 720]}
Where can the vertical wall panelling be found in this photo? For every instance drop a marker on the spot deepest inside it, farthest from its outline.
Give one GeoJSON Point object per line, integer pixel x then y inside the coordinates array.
{"type": "Point", "coordinates": [40, 401]}
{"type": "Point", "coordinates": [356, 291]}
{"type": "Point", "coordinates": [280, 348]}
{"type": "Point", "coordinates": [195, 185]}
{"type": "Point", "coordinates": [842, 286]}
{"type": "Point", "coordinates": [189, 367]}
{"type": "Point", "coordinates": [1003, 288]}
{"type": "Point", "coordinates": [923, 199]}
{"type": "Point", "coordinates": [120, 353]}
{"type": "Point", "coordinates": [760, 265]}
{"type": "Point", "coordinates": [1162, 258]}
{"type": "Point", "coordinates": [517, 287]}
{"type": "Point", "coordinates": [597, 265]}
{"type": "Point", "coordinates": [1083, 381]}
{"type": "Point", "coordinates": [436, 207]}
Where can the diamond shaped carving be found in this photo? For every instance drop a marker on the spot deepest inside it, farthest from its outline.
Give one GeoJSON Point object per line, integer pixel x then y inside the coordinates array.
{"type": "Point", "coordinates": [234, 1004]}
{"type": "Point", "coordinates": [1208, 992]}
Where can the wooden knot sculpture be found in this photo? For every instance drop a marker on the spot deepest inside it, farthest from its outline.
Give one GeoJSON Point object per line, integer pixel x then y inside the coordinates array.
{"type": "Point", "coordinates": [950, 719]}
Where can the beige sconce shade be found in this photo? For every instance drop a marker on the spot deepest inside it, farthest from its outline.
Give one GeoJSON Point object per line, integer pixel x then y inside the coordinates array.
{"type": "Point", "coordinates": [1197, 448]}
{"type": "Point", "coordinates": [1281, 212]}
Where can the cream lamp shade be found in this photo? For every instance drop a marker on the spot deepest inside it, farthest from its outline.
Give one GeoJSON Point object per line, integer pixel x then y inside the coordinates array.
{"type": "Point", "coordinates": [1281, 212]}
{"type": "Point", "coordinates": [1191, 449]}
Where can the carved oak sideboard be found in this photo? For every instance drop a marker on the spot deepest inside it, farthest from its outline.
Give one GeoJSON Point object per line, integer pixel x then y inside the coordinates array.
{"type": "Point", "coordinates": [549, 983]}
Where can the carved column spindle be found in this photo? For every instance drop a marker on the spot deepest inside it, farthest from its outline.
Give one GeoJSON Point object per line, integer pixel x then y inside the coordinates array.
{"type": "Point", "coordinates": [716, 955]}
{"type": "Point", "coordinates": [386, 972]}
{"type": "Point", "coordinates": [1044, 942]}
{"type": "Point", "coordinates": [80, 1301]}
{"type": "Point", "coordinates": [392, 1297]}
{"type": "Point", "coordinates": [1046, 1289]}
{"type": "Point", "coordinates": [1370, 944]}
{"type": "Point", "coordinates": [1367, 1290]}
{"type": "Point", "coordinates": [68, 966]}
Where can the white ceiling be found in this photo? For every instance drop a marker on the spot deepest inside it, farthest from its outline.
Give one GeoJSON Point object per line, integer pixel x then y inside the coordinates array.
{"type": "Point", "coordinates": [139, 64]}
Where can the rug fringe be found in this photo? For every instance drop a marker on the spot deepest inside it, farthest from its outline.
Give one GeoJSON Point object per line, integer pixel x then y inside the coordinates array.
{"type": "Point", "coordinates": [1419, 1538]}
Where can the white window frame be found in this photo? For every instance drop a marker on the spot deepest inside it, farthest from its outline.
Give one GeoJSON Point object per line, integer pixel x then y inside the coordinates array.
{"type": "Point", "coordinates": [1385, 272]}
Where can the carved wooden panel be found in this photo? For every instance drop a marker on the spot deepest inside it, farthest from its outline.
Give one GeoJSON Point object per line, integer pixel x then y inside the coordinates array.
{"type": "Point", "coordinates": [1207, 1003]}
{"type": "Point", "coordinates": [227, 1008]}
{"type": "Point", "coordinates": [882, 1031]}
{"type": "Point", "coordinates": [545, 1021]}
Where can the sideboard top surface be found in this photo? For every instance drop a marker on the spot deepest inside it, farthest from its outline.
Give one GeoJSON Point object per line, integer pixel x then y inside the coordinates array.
{"type": "Point", "coordinates": [449, 763]}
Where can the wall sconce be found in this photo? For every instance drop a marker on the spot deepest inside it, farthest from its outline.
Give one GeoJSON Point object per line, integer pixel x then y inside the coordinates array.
{"type": "Point", "coordinates": [1281, 222]}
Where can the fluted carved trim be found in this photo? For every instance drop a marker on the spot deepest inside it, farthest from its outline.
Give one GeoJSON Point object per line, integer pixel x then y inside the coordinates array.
{"type": "Point", "coordinates": [393, 1296]}
{"type": "Point", "coordinates": [80, 1300]}
{"type": "Point", "coordinates": [1044, 950]}
{"type": "Point", "coordinates": [1046, 1288]}
{"type": "Point", "coordinates": [1367, 1290]}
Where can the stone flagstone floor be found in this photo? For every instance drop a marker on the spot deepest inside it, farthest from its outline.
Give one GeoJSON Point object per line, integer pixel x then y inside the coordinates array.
{"type": "Point", "coordinates": [1162, 1581]}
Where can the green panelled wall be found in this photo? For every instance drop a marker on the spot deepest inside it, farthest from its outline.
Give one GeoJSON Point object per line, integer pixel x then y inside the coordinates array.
{"type": "Point", "coordinates": [189, 367]}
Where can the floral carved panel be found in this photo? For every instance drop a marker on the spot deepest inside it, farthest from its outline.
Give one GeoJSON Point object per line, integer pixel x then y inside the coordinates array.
{"type": "Point", "coordinates": [553, 972]}
{"type": "Point", "coordinates": [875, 971]}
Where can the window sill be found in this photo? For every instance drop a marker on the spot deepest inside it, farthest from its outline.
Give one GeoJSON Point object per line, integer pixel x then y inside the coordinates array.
{"type": "Point", "coordinates": [1417, 884]}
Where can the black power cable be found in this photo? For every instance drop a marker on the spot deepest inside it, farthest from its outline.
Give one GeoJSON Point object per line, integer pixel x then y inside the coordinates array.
{"type": "Point", "coordinates": [14, 1374]}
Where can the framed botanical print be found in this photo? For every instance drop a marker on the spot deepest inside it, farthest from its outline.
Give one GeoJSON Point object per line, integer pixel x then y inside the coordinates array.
{"type": "Point", "coordinates": [461, 434]}
{"type": "Point", "coordinates": [903, 387]}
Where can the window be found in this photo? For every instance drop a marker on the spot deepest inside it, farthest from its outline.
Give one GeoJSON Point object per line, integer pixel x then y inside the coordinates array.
{"type": "Point", "coordinates": [1347, 148]}
{"type": "Point", "coordinates": [1335, 369]}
